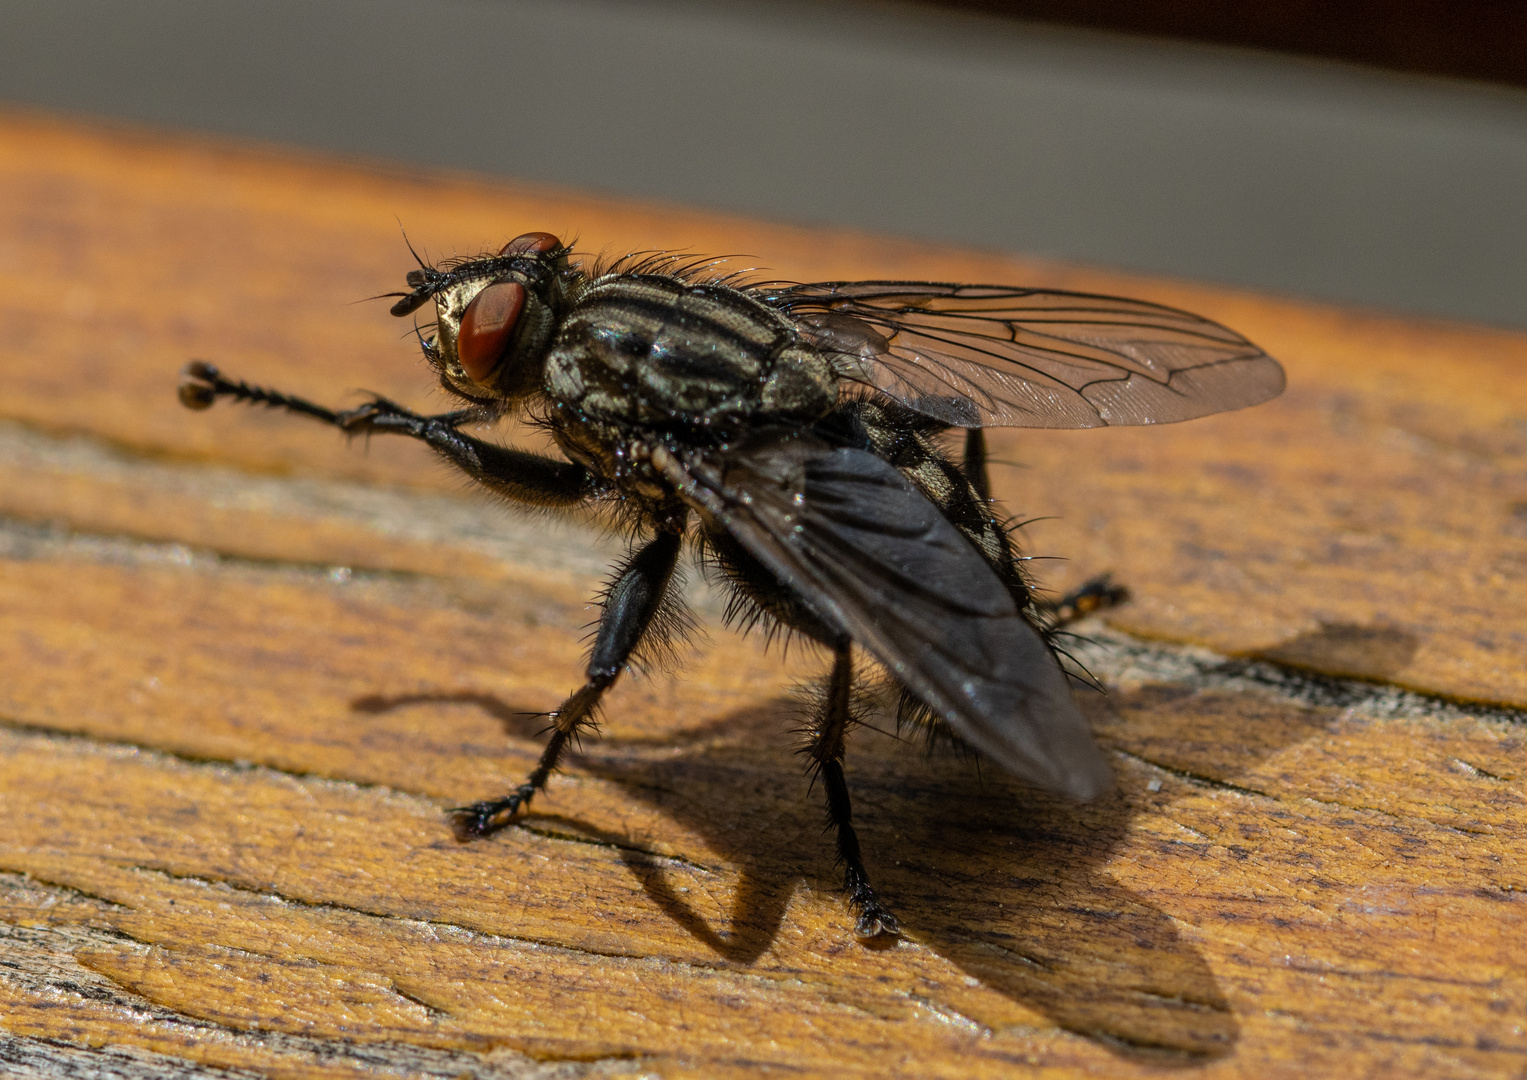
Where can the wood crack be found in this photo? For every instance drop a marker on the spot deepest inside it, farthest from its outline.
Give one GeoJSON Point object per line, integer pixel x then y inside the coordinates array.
{"type": "Point", "coordinates": [502, 940]}
{"type": "Point", "coordinates": [48, 963]}
{"type": "Point", "coordinates": [1195, 778]}
{"type": "Point", "coordinates": [439, 924]}
{"type": "Point", "coordinates": [1116, 657]}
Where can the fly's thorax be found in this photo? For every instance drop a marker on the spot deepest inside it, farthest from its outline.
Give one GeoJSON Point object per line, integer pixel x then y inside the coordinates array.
{"type": "Point", "coordinates": [616, 455]}
{"type": "Point", "coordinates": [598, 445]}
{"type": "Point", "coordinates": [657, 351]}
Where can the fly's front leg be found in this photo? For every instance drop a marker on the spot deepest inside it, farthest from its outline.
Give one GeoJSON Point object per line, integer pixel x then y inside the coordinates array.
{"type": "Point", "coordinates": [635, 597]}
{"type": "Point", "coordinates": [826, 750]}
{"type": "Point", "coordinates": [514, 474]}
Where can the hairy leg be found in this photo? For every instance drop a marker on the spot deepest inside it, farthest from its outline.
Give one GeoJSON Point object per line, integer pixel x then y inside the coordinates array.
{"type": "Point", "coordinates": [1096, 594]}
{"type": "Point", "coordinates": [826, 752]}
{"type": "Point", "coordinates": [515, 474]}
{"type": "Point", "coordinates": [633, 600]}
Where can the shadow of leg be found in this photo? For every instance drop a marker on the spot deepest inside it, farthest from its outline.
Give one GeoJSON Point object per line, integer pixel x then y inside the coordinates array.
{"type": "Point", "coordinates": [517, 723]}
{"type": "Point", "coordinates": [758, 902]}
{"type": "Point", "coordinates": [1347, 650]}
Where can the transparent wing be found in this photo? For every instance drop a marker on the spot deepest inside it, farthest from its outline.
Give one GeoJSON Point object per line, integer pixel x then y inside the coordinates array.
{"type": "Point", "coordinates": [993, 356]}
{"type": "Point", "coordinates": [868, 552]}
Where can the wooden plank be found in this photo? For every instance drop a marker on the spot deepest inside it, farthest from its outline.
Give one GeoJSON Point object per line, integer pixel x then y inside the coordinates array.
{"type": "Point", "coordinates": [1380, 500]}
{"type": "Point", "coordinates": [247, 667]}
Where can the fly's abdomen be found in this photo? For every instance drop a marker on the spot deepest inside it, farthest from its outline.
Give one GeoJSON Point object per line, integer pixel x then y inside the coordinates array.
{"type": "Point", "coordinates": [661, 352]}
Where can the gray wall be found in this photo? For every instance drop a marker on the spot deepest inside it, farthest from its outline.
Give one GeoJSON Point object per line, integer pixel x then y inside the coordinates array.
{"type": "Point", "coordinates": [1302, 177]}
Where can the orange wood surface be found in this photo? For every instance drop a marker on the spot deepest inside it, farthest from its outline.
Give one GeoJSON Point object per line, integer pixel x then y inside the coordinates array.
{"type": "Point", "coordinates": [246, 666]}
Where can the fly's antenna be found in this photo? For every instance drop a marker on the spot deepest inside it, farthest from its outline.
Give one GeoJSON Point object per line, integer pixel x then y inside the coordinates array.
{"type": "Point", "coordinates": [424, 268]}
{"type": "Point", "coordinates": [425, 282]}
{"type": "Point", "coordinates": [410, 245]}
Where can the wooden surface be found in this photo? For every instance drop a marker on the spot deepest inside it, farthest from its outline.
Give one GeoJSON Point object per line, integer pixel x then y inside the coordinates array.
{"type": "Point", "coordinates": [246, 666]}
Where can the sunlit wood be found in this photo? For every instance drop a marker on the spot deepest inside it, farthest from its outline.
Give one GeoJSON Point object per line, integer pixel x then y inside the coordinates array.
{"type": "Point", "coordinates": [246, 667]}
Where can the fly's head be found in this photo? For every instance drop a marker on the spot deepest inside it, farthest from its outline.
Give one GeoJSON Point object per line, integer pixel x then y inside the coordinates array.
{"type": "Point", "coordinates": [495, 317]}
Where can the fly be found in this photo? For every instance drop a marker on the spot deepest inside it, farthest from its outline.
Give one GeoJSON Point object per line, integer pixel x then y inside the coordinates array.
{"type": "Point", "coordinates": [791, 436]}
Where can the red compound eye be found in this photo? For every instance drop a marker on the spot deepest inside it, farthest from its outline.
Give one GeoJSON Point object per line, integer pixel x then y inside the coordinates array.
{"type": "Point", "coordinates": [531, 243]}
{"type": "Point", "coordinates": [486, 327]}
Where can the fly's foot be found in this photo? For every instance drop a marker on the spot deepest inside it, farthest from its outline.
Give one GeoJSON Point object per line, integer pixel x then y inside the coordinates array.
{"type": "Point", "coordinates": [490, 815]}
{"type": "Point", "coordinates": [876, 923]}
{"type": "Point", "coordinates": [1098, 594]}
{"type": "Point", "coordinates": [198, 385]}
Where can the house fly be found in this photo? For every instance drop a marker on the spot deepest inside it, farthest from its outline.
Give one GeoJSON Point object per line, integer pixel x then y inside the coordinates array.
{"type": "Point", "coordinates": [791, 436]}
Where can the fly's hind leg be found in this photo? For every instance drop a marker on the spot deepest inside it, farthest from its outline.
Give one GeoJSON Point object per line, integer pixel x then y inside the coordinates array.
{"type": "Point", "coordinates": [634, 598]}
{"type": "Point", "coordinates": [826, 752]}
{"type": "Point", "coordinates": [1096, 594]}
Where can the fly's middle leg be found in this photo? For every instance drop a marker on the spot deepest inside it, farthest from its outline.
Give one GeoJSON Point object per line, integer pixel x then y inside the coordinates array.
{"type": "Point", "coordinates": [634, 598]}
{"type": "Point", "coordinates": [826, 751]}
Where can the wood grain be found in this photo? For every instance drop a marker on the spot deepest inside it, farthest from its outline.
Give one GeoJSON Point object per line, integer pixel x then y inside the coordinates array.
{"type": "Point", "coordinates": [247, 666]}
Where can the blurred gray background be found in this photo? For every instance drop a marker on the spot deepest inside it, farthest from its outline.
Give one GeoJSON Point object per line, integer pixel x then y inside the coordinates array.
{"type": "Point", "coordinates": [1304, 176]}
